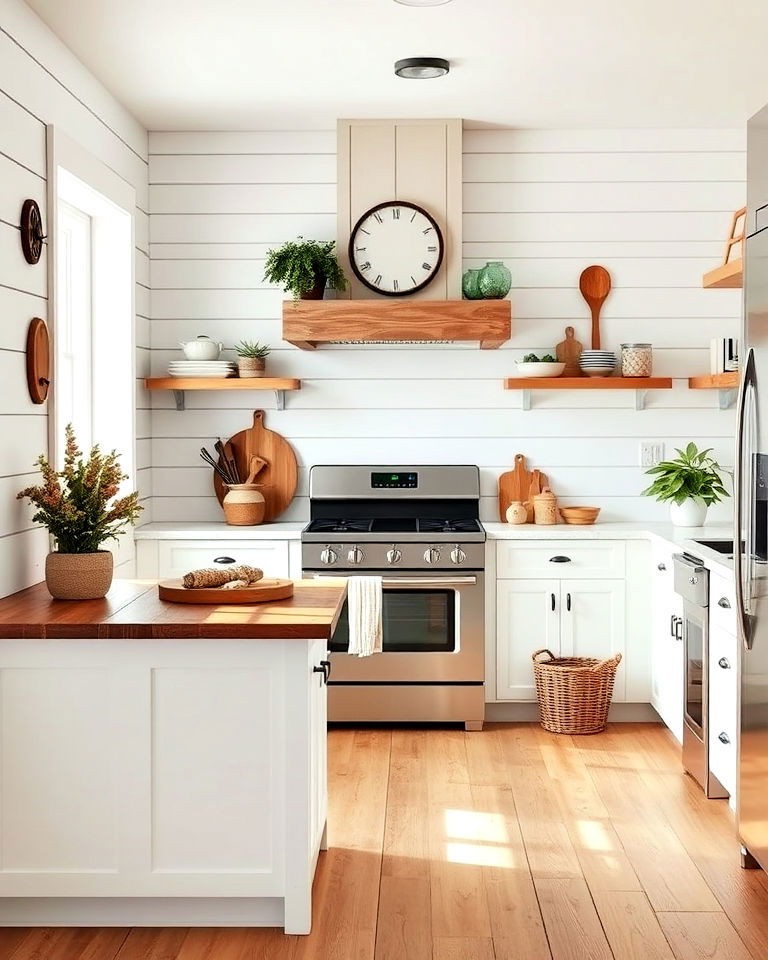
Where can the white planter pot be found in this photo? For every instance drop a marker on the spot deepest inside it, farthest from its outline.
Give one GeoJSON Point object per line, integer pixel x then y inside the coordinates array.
{"type": "Point", "coordinates": [689, 513]}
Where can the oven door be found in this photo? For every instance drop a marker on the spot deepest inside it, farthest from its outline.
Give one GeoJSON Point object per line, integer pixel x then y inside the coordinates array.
{"type": "Point", "coordinates": [433, 630]}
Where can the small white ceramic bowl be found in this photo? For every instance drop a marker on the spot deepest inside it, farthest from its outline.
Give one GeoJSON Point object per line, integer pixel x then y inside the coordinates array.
{"type": "Point", "coordinates": [202, 348]}
{"type": "Point", "coordinates": [539, 369]}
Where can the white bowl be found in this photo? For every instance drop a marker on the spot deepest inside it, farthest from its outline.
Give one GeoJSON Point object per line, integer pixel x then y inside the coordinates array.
{"type": "Point", "coordinates": [202, 348]}
{"type": "Point", "coordinates": [539, 369]}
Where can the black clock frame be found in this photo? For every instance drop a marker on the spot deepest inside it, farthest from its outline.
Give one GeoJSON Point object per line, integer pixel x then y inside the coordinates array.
{"type": "Point", "coordinates": [410, 206]}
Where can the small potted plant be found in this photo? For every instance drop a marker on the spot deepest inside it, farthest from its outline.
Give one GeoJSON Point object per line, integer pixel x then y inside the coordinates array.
{"type": "Point", "coordinates": [77, 506]}
{"type": "Point", "coordinates": [251, 358]}
{"type": "Point", "coordinates": [533, 366]}
{"type": "Point", "coordinates": [305, 268]}
{"type": "Point", "coordinates": [690, 484]}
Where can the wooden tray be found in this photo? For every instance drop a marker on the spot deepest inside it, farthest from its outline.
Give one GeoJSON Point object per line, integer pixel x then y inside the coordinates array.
{"type": "Point", "coordinates": [263, 591]}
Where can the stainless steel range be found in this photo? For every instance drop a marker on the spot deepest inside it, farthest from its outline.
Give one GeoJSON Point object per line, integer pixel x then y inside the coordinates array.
{"type": "Point", "coordinates": [417, 527]}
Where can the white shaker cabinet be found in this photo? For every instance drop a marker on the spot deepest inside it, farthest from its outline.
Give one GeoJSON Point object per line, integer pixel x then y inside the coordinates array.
{"type": "Point", "coordinates": [667, 659]}
{"type": "Point", "coordinates": [168, 559]}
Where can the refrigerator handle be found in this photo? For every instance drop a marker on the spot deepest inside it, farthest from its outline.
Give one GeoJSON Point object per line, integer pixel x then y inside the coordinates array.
{"type": "Point", "coordinates": [742, 615]}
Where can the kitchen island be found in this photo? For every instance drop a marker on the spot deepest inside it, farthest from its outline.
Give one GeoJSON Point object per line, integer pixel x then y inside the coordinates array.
{"type": "Point", "coordinates": [163, 764]}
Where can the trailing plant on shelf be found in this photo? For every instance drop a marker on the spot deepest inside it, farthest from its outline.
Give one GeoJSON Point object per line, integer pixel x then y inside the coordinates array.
{"type": "Point", "coordinates": [77, 504]}
{"type": "Point", "coordinates": [251, 358]}
{"type": "Point", "coordinates": [690, 483]}
{"type": "Point", "coordinates": [305, 268]}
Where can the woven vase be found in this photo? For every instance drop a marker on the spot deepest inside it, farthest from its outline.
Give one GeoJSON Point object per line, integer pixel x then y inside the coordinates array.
{"type": "Point", "coordinates": [79, 576]}
{"type": "Point", "coordinates": [244, 505]}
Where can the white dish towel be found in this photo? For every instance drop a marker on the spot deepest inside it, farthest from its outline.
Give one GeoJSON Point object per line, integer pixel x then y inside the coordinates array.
{"type": "Point", "coordinates": [364, 606]}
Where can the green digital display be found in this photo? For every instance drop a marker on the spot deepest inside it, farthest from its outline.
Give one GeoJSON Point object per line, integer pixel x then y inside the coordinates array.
{"type": "Point", "coordinates": [395, 481]}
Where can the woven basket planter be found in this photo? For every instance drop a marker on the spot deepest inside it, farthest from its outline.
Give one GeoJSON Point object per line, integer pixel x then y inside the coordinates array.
{"type": "Point", "coordinates": [574, 693]}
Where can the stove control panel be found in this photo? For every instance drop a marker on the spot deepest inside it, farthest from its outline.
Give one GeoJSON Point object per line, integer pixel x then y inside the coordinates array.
{"type": "Point", "coordinates": [394, 555]}
{"type": "Point", "coordinates": [328, 555]}
{"type": "Point", "coordinates": [355, 555]}
{"type": "Point", "coordinates": [395, 481]}
{"type": "Point", "coordinates": [458, 555]}
{"type": "Point", "coordinates": [432, 555]}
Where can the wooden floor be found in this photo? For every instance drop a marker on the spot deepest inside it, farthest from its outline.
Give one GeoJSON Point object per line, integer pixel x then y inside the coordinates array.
{"type": "Point", "coordinates": [511, 844]}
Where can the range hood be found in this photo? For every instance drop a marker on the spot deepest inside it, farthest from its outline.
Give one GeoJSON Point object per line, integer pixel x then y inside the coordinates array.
{"type": "Point", "coordinates": [309, 323]}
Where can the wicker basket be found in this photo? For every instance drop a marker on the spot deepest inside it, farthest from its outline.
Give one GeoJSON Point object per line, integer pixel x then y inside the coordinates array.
{"type": "Point", "coordinates": [574, 692]}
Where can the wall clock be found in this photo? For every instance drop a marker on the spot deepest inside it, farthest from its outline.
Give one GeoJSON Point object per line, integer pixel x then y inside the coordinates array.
{"type": "Point", "coordinates": [32, 236]}
{"type": "Point", "coordinates": [396, 248]}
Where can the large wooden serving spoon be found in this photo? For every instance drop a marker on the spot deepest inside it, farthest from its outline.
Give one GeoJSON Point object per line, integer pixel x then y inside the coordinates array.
{"type": "Point", "coordinates": [595, 285]}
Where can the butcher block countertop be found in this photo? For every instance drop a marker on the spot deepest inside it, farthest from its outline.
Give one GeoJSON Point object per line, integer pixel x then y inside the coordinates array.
{"type": "Point", "coordinates": [132, 610]}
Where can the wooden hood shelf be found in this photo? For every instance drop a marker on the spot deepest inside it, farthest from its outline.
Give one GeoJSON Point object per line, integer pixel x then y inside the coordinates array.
{"type": "Point", "coordinates": [308, 323]}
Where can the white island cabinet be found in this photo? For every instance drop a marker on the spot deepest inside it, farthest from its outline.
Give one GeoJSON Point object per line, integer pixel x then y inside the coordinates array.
{"type": "Point", "coordinates": [163, 763]}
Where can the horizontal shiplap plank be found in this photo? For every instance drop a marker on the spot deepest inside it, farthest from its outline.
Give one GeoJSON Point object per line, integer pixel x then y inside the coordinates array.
{"type": "Point", "coordinates": [142, 267]}
{"type": "Point", "coordinates": [22, 560]}
{"type": "Point", "coordinates": [598, 197]}
{"type": "Point", "coordinates": [233, 168]}
{"type": "Point", "coordinates": [17, 184]}
{"type": "Point", "coordinates": [249, 142]}
{"type": "Point", "coordinates": [280, 198]}
{"type": "Point", "coordinates": [30, 439]}
{"type": "Point", "coordinates": [14, 394]}
{"type": "Point", "coordinates": [16, 273]}
{"type": "Point", "coordinates": [635, 140]}
{"type": "Point", "coordinates": [22, 136]}
{"type": "Point", "coordinates": [603, 167]}
{"type": "Point", "coordinates": [271, 228]}
{"type": "Point", "coordinates": [15, 515]}
{"type": "Point", "coordinates": [591, 251]}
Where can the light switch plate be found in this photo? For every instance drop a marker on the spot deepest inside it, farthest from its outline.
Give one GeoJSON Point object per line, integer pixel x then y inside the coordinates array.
{"type": "Point", "coordinates": [651, 452]}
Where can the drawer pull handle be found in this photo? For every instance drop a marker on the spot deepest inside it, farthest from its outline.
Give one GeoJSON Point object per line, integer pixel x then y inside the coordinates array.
{"type": "Point", "coordinates": [559, 559]}
{"type": "Point", "coordinates": [678, 628]}
{"type": "Point", "coordinates": [724, 602]}
{"type": "Point", "coordinates": [661, 566]}
{"type": "Point", "coordinates": [552, 601]}
{"type": "Point", "coordinates": [723, 738]}
{"type": "Point", "coordinates": [722, 662]}
{"type": "Point", "coordinates": [325, 669]}
{"type": "Point", "coordinates": [568, 602]}
{"type": "Point", "coordinates": [225, 560]}
{"type": "Point", "coordinates": [672, 625]}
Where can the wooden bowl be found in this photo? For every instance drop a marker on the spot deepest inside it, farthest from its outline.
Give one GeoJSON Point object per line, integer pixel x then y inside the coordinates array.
{"type": "Point", "coordinates": [579, 515]}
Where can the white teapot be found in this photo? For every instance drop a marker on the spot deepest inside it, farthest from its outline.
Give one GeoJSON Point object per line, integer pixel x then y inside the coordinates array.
{"type": "Point", "coordinates": [202, 348]}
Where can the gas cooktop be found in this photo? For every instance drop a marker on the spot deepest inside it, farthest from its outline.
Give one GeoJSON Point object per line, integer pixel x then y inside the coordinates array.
{"type": "Point", "coordinates": [396, 525]}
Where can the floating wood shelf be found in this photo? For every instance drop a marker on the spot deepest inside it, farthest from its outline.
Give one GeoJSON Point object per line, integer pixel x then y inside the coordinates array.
{"type": "Point", "coordinates": [309, 323]}
{"type": "Point", "coordinates": [180, 385]}
{"type": "Point", "coordinates": [726, 277]}
{"type": "Point", "coordinates": [727, 385]}
{"type": "Point", "coordinates": [640, 385]}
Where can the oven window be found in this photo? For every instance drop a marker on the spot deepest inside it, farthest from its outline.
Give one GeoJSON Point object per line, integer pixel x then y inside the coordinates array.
{"type": "Point", "coordinates": [413, 621]}
{"type": "Point", "coordinates": [694, 643]}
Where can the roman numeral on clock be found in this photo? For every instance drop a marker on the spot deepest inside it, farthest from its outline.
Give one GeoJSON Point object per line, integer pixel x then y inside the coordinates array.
{"type": "Point", "coordinates": [395, 213]}
{"type": "Point", "coordinates": [426, 230]}
{"type": "Point", "coordinates": [431, 249]}
{"type": "Point", "coordinates": [378, 217]}
{"type": "Point", "coordinates": [426, 266]}
{"type": "Point", "coordinates": [377, 281]}
{"type": "Point", "coordinates": [395, 285]}
{"type": "Point", "coordinates": [365, 266]}
{"type": "Point", "coordinates": [360, 249]}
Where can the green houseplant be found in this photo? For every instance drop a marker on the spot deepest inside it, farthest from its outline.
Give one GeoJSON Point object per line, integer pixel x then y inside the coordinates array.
{"type": "Point", "coordinates": [690, 484]}
{"type": "Point", "coordinates": [305, 268]}
{"type": "Point", "coordinates": [77, 504]}
{"type": "Point", "coordinates": [251, 358]}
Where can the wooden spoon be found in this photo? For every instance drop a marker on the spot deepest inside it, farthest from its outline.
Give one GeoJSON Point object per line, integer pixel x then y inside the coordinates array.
{"type": "Point", "coordinates": [595, 285]}
{"type": "Point", "coordinates": [257, 464]}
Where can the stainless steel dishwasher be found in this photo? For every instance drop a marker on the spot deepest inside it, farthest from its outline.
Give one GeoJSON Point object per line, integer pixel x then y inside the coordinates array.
{"type": "Point", "coordinates": [691, 580]}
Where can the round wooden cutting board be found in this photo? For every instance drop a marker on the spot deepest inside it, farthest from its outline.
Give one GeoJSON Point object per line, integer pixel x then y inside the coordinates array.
{"type": "Point", "coordinates": [277, 480]}
{"type": "Point", "coordinates": [261, 592]}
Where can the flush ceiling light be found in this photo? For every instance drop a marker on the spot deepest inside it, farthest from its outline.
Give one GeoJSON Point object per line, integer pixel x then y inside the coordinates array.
{"type": "Point", "coordinates": [422, 68]}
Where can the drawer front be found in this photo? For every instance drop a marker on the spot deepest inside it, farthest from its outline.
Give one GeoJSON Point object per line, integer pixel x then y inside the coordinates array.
{"type": "Point", "coordinates": [566, 559]}
{"type": "Point", "coordinates": [177, 557]}
{"type": "Point", "coordinates": [722, 604]}
{"type": "Point", "coordinates": [723, 707]}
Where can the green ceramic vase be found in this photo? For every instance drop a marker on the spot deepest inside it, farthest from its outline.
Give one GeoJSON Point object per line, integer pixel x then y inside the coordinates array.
{"type": "Point", "coordinates": [495, 281]}
{"type": "Point", "coordinates": [470, 285]}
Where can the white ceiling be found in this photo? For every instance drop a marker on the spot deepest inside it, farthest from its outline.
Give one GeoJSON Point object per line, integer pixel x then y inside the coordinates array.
{"type": "Point", "coordinates": [288, 64]}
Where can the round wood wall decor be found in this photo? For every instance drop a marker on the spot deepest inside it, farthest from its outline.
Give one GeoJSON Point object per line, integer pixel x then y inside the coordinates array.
{"type": "Point", "coordinates": [38, 361]}
{"type": "Point", "coordinates": [32, 235]}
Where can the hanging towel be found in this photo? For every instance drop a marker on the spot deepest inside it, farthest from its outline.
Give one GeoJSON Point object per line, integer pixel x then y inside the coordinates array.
{"type": "Point", "coordinates": [364, 606]}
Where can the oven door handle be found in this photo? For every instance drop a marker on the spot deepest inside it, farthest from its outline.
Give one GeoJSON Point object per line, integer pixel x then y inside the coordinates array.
{"type": "Point", "coordinates": [392, 582]}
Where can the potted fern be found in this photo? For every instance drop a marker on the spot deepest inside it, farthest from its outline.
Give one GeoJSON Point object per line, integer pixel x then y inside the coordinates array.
{"type": "Point", "coordinates": [251, 358]}
{"type": "Point", "coordinates": [305, 268]}
{"type": "Point", "coordinates": [690, 484]}
{"type": "Point", "coordinates": [78, 506]}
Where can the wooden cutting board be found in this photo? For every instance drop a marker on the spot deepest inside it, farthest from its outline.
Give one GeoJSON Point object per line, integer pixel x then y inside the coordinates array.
{"type": "Point", "coordinates": [278, 478]}
{"type": "Point", "coordinates": [519, 484]}
{"type": "Point", "coordinates": [568, 351]}
{"type": "Point", "coordinates": [261, 592]}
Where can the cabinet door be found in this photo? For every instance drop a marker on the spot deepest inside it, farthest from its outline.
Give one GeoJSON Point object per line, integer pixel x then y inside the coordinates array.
{"type": "Point", "coordinates": [593, 622]}
{"type": "Point", "coordinates": [318, 765]}
{"type": "Point", "coordinates": [527, 619]}
{"type": "Point", "coordinates": [177, 557]}
{"type": "Point", "coordinates": [667, 664]}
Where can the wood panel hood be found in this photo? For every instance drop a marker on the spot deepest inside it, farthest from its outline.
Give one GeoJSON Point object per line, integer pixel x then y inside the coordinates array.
{"type": "Point", "coordinates": [308, 323]}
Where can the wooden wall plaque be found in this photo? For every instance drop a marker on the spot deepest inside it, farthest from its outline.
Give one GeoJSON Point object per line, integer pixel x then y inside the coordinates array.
{"type": "Point", "coordinates": [38, 361]}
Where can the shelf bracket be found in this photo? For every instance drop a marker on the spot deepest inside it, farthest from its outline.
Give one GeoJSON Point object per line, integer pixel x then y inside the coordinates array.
{"type": "Point", "coordinates": [526, 399]}
{"type": "Point", "coordinates": [640, 396]}
{"type": "Point", "coordinates": [180, 398]}
{"type": "Point", "coordinates": [726, 398]}
{"type": "Point", "coordinates": [280, 399]}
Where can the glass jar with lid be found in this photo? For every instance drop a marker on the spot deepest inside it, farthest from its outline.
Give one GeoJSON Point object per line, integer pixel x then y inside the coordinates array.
{"type": "Point", "coordinates": [636, 359]}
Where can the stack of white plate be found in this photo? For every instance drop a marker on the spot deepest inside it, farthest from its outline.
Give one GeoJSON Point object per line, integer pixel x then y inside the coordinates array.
{"type": "Point", "coordinates": [597, 363]}
{"type": "Point", "coordinates": [202, 368]}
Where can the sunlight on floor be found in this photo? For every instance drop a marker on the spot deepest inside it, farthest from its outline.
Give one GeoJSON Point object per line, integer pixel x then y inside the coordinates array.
{"type": "Point", "coordinates": [593, 835]}
{"type": "Point", "coordinates": [487, 830]}
{"type": "Point", "coordinates": [479, 855]}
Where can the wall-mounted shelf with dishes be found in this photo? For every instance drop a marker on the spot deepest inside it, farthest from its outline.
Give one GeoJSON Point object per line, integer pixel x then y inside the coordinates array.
{"type": "Point", "coordinates": [727, 385]}
{"type": "Point", "coordinates": [180, 385]}
{"type": "Point", "coordinates": [730, 273]}
{"type": "Point", "coordinates": [641, 385]}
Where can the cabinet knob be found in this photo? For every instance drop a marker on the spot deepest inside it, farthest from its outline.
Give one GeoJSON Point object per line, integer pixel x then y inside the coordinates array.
{"type": "Point", "coordinates": [559, 559]}
{"type": "Point", "coordinates": [325, 668]}
{"type": "Point", "coordinates": [724, 602]}
{"type": "Point", "coordinates": [723, 738]}
{"type": "Point", "coordinates": [224, 560]}
{"type": "Point", "coordinates": [661, 566]}
{"type": "Point", "coordinates": [722, 662]}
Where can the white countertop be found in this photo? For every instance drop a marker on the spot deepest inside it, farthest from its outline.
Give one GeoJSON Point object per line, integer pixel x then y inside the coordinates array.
{"type": "Point", "coordinates": [220, 531]}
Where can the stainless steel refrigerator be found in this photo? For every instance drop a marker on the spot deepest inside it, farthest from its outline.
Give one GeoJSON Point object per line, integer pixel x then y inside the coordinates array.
{"type": "Point", "coordinates": [751, 509]}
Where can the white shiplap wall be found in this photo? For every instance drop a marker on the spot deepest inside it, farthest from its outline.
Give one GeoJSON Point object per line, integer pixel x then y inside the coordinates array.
{"type": "Point", "coordinates": [652, 205]}
{"type": "Point", "coordinates": [42, 83]}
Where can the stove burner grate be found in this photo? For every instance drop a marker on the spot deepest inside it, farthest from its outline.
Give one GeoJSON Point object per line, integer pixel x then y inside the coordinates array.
{"type": "Point", "coordinates": [340, 526]}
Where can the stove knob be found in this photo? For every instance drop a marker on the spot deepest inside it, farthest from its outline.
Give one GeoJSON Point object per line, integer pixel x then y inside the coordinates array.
{"type": "Point", "coordinates": [458, 555]}
{"type": "Point", "coordinates": [394, 555]}
{"type": "Point", "coordinates": [355, 555]}
{"type": "Point", "coordinates": [328, 555]}
{"type": "Point", "coordinates": [432, 555]}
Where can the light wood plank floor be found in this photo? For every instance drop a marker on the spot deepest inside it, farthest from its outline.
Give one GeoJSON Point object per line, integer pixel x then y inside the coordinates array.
{"type": "Point", "coordinates": [510, 844]}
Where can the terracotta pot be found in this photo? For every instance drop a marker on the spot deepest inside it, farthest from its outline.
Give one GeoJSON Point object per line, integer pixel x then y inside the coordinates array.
{"type": "Point", "coordinates": [244, 505]}
{"type": "Point", "coordinates": [79, 576]}
{"type": "Point", "coordinates": [517, 512]}
{"type": "Point", "coordinates": [249, 367]}
{"type": "Point", "coordinates": [317, 292]}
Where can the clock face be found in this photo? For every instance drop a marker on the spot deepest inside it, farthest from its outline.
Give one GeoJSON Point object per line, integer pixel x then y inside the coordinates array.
{"type": "Point", "coordinates": [396, 248]}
